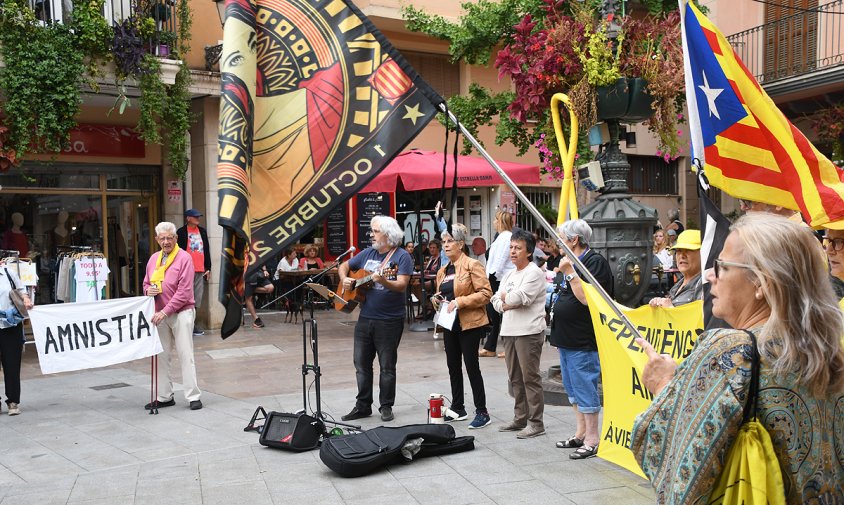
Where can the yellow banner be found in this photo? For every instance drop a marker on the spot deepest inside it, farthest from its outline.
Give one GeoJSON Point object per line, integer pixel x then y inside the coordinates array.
{"type": "Point", "coordinates": [670, 331]}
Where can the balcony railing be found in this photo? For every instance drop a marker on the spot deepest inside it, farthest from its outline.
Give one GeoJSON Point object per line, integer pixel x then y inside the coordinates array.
{"type": "Point", "coordinates": [163, 12]}
{"type": "Point", "coordinates": [804, 42]}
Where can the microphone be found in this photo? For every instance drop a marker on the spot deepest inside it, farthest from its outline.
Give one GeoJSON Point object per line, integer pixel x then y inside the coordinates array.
{"type": "Point", "coordinates": [351, 250]}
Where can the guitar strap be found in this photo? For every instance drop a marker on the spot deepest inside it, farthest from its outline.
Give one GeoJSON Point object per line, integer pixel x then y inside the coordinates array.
{"type": "Point", "coordinates": [387, 258]}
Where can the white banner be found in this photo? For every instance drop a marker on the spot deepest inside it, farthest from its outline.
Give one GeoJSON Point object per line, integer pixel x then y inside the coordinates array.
{"type": "Point", "coordinates": [76, 336]}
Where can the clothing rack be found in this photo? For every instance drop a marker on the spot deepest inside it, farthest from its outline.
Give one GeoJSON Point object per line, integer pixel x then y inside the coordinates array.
{"type": "Point", "coordinates": [85, 249]}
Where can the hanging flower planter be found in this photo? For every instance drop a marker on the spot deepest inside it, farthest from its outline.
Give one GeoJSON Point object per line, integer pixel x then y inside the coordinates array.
{"type": "Point", "coordinates": [641, 102]}
{"type": "Point", "coordinates": [613, 100]}
{"type": "Point", "coordinates": [626, 101]}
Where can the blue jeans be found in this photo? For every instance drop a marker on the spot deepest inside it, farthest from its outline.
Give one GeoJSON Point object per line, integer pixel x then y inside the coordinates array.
{"type": "Point", "coordinates": [379, 337]}
{"type": "Point", "coordinates": [581, 371]}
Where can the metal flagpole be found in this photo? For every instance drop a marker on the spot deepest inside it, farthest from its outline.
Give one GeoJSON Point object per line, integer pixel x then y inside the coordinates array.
{"type": "Point", "coordinates": [548, 228]}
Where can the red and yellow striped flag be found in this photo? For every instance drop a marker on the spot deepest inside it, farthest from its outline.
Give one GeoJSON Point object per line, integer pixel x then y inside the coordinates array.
{"type": "Point", "coordinates": [746, 145]}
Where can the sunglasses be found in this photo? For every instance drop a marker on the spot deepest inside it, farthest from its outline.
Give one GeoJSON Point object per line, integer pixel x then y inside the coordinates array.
{"type": "Point", "coordinates": [719, 264]}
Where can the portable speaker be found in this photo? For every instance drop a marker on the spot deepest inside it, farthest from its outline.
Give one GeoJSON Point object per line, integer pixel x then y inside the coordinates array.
{"type": "Point", "coordinates": [292, 432]}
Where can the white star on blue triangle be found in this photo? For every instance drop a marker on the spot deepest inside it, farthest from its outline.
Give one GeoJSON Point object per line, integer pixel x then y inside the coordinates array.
{"type": "Point", "coordinates": [711, 95]}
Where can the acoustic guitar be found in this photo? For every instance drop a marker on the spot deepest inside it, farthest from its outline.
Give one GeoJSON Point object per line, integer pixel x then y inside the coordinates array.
{"type": "Point", "coordinates": [363, 281]}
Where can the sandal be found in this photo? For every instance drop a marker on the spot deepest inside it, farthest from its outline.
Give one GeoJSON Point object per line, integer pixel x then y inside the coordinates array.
{"type": "Point", "coordinates": [571, 443]}
{"type": "Point", "coordinates": [584, 452]}
{"type": "Point", "coordinates": [483, 353]}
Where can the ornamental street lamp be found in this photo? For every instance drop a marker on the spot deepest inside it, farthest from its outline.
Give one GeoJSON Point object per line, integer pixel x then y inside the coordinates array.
{"type": "Point", "coordinates": [212, 53]}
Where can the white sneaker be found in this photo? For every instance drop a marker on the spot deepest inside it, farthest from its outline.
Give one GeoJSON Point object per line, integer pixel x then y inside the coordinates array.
{"type": "Point", "coordinates": [14, 409]}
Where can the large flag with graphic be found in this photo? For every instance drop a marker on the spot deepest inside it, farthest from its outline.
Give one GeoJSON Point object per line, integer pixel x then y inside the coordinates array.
{"type": "Point", "coordinates": [315, 102]}
{"type": "Point", "coordinates": [747, 146]}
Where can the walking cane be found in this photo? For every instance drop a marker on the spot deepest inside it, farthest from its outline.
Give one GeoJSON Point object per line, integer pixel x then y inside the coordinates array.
{"type": "Point", "coordinates": [153, 385]}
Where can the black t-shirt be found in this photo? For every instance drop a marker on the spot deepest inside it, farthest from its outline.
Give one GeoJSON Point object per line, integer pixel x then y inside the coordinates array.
{"type": "Point", "coordinates": [447, 291]}
{"type": "Point", "coordinates": [572, 324]}
{"type": "Point", "coordinates": [553, 262]}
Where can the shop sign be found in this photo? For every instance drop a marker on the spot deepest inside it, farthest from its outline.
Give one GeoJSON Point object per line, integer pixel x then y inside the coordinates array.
{"type": "Point", "coordinates": [105, 140]}
{"type": "Point", "coordinates": [174, 191]}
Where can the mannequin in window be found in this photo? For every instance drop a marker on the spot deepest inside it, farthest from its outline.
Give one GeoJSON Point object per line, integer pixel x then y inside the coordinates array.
{"type": "Point", "coordinates": [60, 233]}
{"type": "Point", "coordinates": [14, 238]}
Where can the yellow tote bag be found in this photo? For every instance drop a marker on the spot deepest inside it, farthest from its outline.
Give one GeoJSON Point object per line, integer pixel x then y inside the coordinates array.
{"type": "Point", "coordinates": [751, 474]}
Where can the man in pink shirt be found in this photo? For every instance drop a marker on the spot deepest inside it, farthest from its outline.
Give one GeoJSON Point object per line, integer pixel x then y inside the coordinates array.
{"type": "Point", "coordinates": [169, 278]}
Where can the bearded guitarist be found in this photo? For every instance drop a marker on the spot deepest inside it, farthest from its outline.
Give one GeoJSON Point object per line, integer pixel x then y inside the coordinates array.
{"type": "Point", "coordinates": [381, 322]}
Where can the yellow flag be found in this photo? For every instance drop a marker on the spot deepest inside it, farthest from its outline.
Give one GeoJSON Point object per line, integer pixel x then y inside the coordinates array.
{"type": "Point", "coordinates": [671, 331]}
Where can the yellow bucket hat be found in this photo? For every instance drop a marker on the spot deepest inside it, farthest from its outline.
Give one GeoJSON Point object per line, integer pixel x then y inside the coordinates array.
{"type": "Point", "coordinates": [689, 239]}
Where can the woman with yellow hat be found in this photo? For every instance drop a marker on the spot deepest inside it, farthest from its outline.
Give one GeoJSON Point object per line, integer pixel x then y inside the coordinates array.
{"type": "Point", "coordinates": [687, 259]}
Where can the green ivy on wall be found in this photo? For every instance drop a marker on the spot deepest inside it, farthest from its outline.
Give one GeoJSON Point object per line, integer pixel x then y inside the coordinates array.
{"type": "Point", "coordinates": [40, 82]}
{"type": "Point", "coordinates": [48, 65]}
{"type": "Point", "coordinates": [177, 117]}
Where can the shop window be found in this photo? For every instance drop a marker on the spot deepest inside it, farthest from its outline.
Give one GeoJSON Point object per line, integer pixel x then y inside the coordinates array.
{"type": "Point", "coordinates": [136, 178]}
{"type": "Point", "coordinates": [48, 211]}
{"type": "Point", "coordinates": [438, 71]}
{"type": "Point", "coordinates": [650, 175]}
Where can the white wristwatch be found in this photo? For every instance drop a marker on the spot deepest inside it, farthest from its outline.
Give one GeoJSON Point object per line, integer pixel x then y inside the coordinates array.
{"type": "Point", "coordinates": [570, 276]}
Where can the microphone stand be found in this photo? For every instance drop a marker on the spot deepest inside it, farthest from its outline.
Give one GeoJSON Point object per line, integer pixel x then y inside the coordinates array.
{"type": "Point", "coordinates": [309, 331]}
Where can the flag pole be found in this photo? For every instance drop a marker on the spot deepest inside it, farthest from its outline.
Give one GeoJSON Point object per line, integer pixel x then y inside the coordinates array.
{"type": "Point", "coordinates": [547, 226]}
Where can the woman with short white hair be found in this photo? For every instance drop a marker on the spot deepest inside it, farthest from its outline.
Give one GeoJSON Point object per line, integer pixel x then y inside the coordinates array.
{"type": "Point", "coordinates": [573, 335]}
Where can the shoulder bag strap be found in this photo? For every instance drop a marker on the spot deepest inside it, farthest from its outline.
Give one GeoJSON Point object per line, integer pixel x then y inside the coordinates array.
{"type": "Point", "coordinates": [11, 282]}
{"type": "Point", "coordinates": [753, 395]}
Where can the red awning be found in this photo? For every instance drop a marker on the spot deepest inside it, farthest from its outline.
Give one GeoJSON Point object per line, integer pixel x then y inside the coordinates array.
{"type": "Point", "coordinates": [417, 170]}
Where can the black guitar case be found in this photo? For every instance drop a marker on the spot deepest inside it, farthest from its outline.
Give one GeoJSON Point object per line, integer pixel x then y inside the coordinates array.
{"type": "Point", "coordinates": [363, 453]}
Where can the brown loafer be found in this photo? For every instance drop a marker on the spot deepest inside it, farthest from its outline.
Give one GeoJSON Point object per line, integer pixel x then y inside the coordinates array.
{"type": "Point", "coordinates": [483, 353]}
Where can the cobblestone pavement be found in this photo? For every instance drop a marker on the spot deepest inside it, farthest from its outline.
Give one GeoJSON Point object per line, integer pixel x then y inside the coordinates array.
{"type": "Point", "coordinates": [84, 437]}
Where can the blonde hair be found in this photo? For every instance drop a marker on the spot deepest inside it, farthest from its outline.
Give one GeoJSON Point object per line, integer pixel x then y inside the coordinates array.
{"type": "Point", "coordinates": [664, 245]}
{"type": "Point", "coordinates": [309, 248]}
{"type": "Point", "coordinates": [804, 332]}
{"type": "Point", "coordinates": [505, 219]}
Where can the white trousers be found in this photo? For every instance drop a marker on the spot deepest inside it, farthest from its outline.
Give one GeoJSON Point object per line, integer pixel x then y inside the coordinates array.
{"type": "Point", "coordinates": [177, 330]}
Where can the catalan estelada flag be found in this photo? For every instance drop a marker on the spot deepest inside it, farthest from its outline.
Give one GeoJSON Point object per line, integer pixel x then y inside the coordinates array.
{"type": "Point", "coordinates": [315, 102]}
{"type": "Point", "coordinates": [746, 145]}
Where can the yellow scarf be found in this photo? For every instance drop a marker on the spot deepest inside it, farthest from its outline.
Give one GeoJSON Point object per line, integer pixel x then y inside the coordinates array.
{"type": "Point", "coordinates": [158, 275]}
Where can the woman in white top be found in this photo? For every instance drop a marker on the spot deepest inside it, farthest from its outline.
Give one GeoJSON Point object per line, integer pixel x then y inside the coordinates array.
{"type": "Point", "coordinates": [521, 300]}
{"type": "Point", "coordinates": [288, 262]}
{"type": "Point", "coordinates": [11, 337]}
{"type": "Point", "coordinates": [661, 249]}
{"type": "Point", "coordinates": [497, 266]}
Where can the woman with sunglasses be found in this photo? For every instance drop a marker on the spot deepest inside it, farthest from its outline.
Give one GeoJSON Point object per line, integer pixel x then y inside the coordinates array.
{"type": "Point", "coordinates": [687, 257]}
{"type": "Point", "coordinates": [771, 278]}
{"type": "Point", "coordinates": [463, 285]}
{"type": "Point", "coordinates": [833, 244]}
